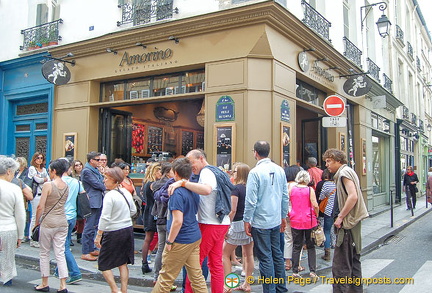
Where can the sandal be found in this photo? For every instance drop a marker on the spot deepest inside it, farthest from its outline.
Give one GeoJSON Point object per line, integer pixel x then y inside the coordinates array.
{"type": "Point", "coordinates": [227, 290]}
{"type": "Point", "coordinates": [301, 269]}
{"type": "Point", "coordinates": [313, 275]}
{"type": "Point", "coordinates": [288, 267]}
{"type": "Point", "coordinates": [243, 288]}
{"type": "Point", "coordinates": [296, 276]}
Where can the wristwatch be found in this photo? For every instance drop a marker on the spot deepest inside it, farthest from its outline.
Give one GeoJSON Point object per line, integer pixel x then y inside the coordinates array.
{"type": "Point", "coordinates": [183, 184]}
{"type": "Point", "coordinates": [169, 243]}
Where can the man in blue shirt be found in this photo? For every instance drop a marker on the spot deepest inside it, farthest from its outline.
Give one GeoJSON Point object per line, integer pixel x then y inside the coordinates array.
{"type": "Point", "coordinates": [184, 238]}
{"type": "Point", "coordinates": [266, 207]}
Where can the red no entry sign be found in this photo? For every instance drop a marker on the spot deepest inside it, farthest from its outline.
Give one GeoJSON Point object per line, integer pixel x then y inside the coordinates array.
{"type": "Point", "coordinates": [334, 106]}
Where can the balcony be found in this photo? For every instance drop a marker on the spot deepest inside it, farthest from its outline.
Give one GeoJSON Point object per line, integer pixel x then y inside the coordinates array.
{"type": "Point", "coordinates": [316, 22]}
{"type": "Point", "coordinates": [352, 52]}
{"type": "Point", "coordinates": [400, 35]}
{"type": "Point", "coordinates": [388, 83]}
{"type": "Point", "coordinates": [418, 64]}
{"type": "Point", "coordinates": [41, 36]}
{"type": "Point", "coordinates": [414, 119]}
{"type": "Point", "coordinates": [410, 50]}
{"type": "Point", "coordinates": [146, 12]}
{"type": "Point", "coordinates": [405, 113]}
{"type": "Point", "coordinates": [373, 69]}
{"type": "Point", "coordinates": [421, 125]}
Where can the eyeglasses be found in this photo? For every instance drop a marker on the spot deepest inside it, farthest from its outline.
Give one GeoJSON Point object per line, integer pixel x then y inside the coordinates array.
{"type": "Point", "coordinates": [102, 159]}
{"type": "Point", "coordinates": [39, 158]}
{"type": "Point", "coordinates": [96, 159]}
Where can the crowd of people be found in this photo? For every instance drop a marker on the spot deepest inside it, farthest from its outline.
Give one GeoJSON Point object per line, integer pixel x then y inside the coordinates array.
{"type": "Point", "coordinates": [199, 213]}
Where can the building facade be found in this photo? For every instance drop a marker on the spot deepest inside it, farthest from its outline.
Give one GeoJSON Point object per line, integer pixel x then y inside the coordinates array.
{"type": "Point", "coordinates": [169, 76]}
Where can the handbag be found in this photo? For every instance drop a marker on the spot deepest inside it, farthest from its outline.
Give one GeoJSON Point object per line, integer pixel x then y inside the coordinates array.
{"type": "Point", "coordinates": [323, 203]}
{"type": "Point", "coordinates": [318, 236]}
{"type": "Point", "coordinates": [36, 229]}
{"type": "Point", "coordinates": [83, 204]}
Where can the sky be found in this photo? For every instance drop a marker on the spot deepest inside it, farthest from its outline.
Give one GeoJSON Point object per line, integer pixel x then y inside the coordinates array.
{"type": "Point", "coordinates": [426, 8]}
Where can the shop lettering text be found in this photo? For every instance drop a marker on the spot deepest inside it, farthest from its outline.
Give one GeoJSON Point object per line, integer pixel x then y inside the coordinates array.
{"type": "Point", "coordinates": [137, 68]}
{"type": "Point", "coordinates": [322, 72]}
{"type": "Point", "coordinates": [145, 57]}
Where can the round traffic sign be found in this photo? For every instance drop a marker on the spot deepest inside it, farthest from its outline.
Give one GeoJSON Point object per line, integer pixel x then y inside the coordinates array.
{"type": "Point", "coordinates": [334, 105]}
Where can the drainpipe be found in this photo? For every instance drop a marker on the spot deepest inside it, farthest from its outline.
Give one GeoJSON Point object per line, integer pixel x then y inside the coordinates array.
{"type": "Point", "coordinates": [398, 183]}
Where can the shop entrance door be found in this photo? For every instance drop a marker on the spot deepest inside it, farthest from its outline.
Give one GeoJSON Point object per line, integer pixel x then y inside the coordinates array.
{"type": "Point", "coordinates": [314, 140]}
{"type": "Point", "coordinates": [30, 129]}
{"type": "Point", "coordinates": [116, 135]}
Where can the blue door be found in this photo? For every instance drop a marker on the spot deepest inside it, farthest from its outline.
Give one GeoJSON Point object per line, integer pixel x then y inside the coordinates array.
{"type": "Point", "coordinates": [30, 128]}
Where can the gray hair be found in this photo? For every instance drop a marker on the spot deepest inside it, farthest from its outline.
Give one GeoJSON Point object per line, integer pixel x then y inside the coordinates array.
{"type": "Point", "coordinates": [312, 161]}
{"type": "Point", "coordinates": [7, 163]}
{"type": "Point", "coordinates": [303, 177]}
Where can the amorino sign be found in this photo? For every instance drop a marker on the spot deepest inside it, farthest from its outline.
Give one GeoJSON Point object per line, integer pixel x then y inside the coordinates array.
{"type": "Point", "coordinates": [145, 57]}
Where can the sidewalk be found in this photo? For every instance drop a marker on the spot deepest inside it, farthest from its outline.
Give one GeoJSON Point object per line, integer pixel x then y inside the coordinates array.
{"type": "Point", "coordinates": [375, 231]}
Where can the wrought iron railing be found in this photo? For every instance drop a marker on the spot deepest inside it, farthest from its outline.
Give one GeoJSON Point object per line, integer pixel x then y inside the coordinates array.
{"type": "Point", "coordinates": [410, 50]}
{"type": "Point", "coordinates": [405, 112]}
{"type": "Point", "coordinates": [146, 11]}
{"type": "Point", "coordinates": [373, 69]}
{"type": "Point", "coordinates": [418, 64]}
{"type": "Point", "coordinates": [43, 35]}
{"type": "Point", "coordinates": [315, 21]}
{"type": "Point", "coordinates": [414, 119]}
{"type": "Point", "coordinates": [352, 52]}
{"type": "Point", "coordinates": [387, 83]}
{"type": "Point", "coordinates": [400, 34]}
{"type": "Point", "coordinates": [421, 125]}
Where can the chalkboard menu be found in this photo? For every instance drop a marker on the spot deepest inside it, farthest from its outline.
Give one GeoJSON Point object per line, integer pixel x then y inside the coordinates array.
{"type": "Point", "coordinates": [187, 142]}
{"type": "Point", "coordinates": [154, 143]}
{"type": "Point", "coordinates": [200, 140]}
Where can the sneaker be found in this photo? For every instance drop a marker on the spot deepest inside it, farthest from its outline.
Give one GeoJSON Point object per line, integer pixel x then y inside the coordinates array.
{"type": "Point", "coordinates": [145, 268]}
{"type": "Point", "coordinates": [149, 259]}
{"type": "Point", "coordinates": [73, 279]}
{"type": "Point", "coordinates": [34, 244]}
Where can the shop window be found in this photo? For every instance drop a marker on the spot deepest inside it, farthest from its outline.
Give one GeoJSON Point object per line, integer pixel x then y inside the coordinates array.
{"type": "Point", "coordinates": [165, 85]}
{"type": "Point", "coordinates": [138, 89]}
{"type": "Point", "coordinates": [378, 164]}
{"type": "Point", "coordinates": [193, 82]}
{"type": "Point", "coordinates": [113, 92]}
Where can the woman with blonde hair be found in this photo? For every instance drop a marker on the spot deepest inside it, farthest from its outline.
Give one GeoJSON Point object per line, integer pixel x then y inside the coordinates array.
{"type": "Point", "coordinates": [76, 169]}
{"type": "Point", "coordinates": [236, 234]}
{"type": "Point", "coordinates": [303, 217]}
{"type": "Point", "coordinates": [153, 173]}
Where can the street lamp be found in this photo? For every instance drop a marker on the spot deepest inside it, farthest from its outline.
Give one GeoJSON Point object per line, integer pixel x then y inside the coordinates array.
{"type": "Point", "coordinates": [383, 22]}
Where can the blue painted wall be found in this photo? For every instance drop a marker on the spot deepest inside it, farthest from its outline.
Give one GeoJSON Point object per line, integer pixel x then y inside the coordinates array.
{"type": "Point", "coordinates": [21, 81]}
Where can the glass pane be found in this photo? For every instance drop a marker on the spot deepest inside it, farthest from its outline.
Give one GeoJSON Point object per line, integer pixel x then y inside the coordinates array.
{"type": "Point", "coordinates": [118, 134]}
{"type": "Point", "coordinates": [378, 168]}
{"type": "Point", "coordinates": [22, 145]}
{"type": "Point", "coordinates": [154, 143]}
{"type": "Point", "coordinates": [193, 82]}
{"type": "Point", "coordinates": [165, 85]}
{"type": "Point", "coordinates": [25, 127]}
{"type": "Point", "coordinates": [113, 91]}
{"type": "Point", "coordinates": [41, 126]}
{"type": "Point", "coordinates": [41, 144]}
{"type": "Point", "coordinates": [187, 142]}
{"type": "Point", "coordinates": [138, 89]}
{"type": "Point", "coordinates": [32, 109]}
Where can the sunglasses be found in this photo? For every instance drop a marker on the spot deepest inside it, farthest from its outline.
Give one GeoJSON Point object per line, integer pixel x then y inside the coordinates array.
{"type": "Point", "coordinates": [97, 159]}
{"type": "Point", "coordinates": [41, 158]}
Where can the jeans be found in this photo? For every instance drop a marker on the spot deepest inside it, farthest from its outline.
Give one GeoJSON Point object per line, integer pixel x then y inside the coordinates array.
{"type": "Point", "coordinates": [72, 266]}
{"type": "Point", "coordinates": [162, 234]}
{"type": "Point", "coordinates": [328, 224]}
{"type": "Point", "coordinates": [271, 262]}
{"type": "Point", "coordinates": [90, 229]}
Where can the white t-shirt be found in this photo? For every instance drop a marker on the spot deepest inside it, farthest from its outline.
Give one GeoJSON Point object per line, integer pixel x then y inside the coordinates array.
{"type": "Point", "coordinates": [206, 209]}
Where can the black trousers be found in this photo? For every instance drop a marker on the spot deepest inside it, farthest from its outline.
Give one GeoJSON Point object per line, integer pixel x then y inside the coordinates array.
{"type": "Point", "coordinates": [411, 196]}
{"type": "Point", "coordinates": [346, 264]}
{"type": "Point", "coordinates": [300, 237]}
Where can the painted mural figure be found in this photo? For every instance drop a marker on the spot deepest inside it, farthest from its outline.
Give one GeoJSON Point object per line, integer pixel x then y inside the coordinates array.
{"type": "Point", "coordinates": [357, 83]}
{"type": "Point", "coordinates": [58, 70]}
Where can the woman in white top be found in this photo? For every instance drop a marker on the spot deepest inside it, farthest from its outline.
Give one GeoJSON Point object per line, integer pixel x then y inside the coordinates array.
{"type": "Point", "coordinates": [39, 175]}
{"type": "Point", "coordinates": [12, 219]}
{"type": "Point", "coordinates": [115, 231]}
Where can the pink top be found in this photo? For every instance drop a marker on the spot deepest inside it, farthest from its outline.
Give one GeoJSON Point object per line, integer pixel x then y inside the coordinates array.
{"type": "Point", "coordinates": [302, 215]}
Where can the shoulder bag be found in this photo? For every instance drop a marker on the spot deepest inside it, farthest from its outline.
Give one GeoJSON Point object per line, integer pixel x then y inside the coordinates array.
{"type": "Point", "coordinates": [137, 214]}
{"type": "Point", "coordinates": [36, 229]}
{"type": "Point", "coordinates": [323, 203]}
{"type": "Point", "coordinates": [317, 233]}
{"type": "Point", "coordinates": [83, 204]}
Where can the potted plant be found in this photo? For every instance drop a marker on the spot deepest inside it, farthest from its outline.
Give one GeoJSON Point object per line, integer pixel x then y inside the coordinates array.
{"type": "Point", "coordinates": [52, 36]}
